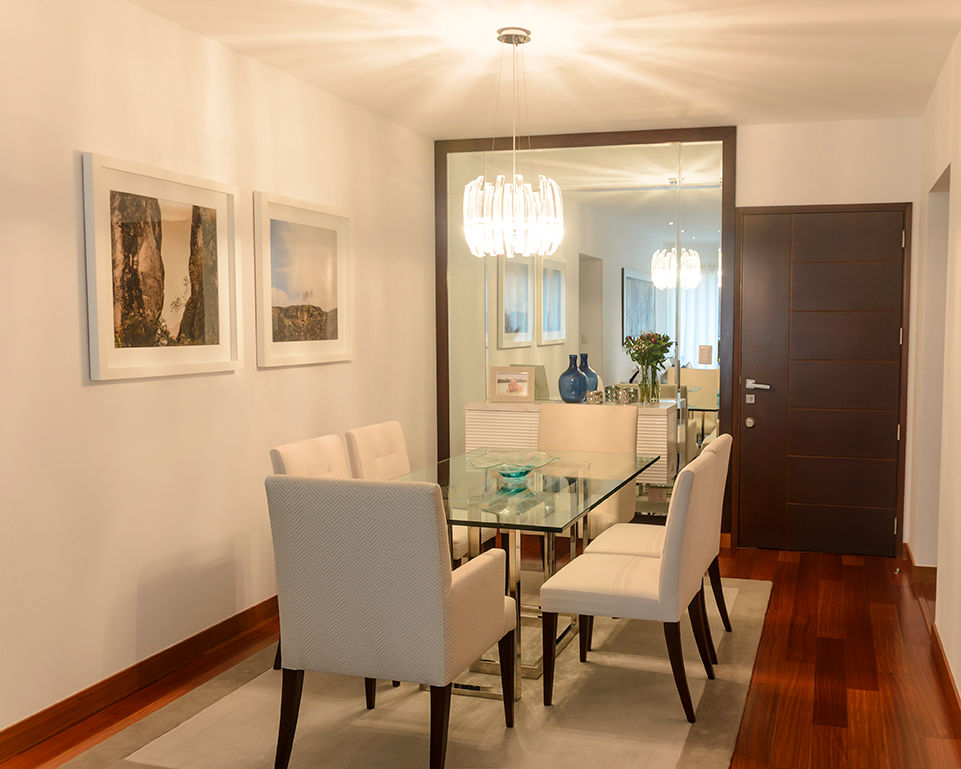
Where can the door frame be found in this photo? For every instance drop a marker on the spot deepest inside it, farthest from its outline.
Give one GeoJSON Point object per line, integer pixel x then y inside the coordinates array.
{"type": "Point", "coordinates": [737, 389]}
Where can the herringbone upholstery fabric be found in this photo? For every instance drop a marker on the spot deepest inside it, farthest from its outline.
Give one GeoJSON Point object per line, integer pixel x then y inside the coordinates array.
{"type": "Point", "coordinates": [365, 585]}
{"type": "Point", "coordinates": [379, 453]}
{"type": "Point", "coordinates": [322, 457]}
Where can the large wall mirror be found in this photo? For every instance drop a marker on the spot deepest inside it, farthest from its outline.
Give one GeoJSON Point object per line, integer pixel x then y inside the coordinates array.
{"type": "Point", "coordinates": [626, 196]}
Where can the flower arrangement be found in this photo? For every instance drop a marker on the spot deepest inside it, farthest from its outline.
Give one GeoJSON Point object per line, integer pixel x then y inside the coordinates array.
{"type": "Point", "coordinates": [648, 351]}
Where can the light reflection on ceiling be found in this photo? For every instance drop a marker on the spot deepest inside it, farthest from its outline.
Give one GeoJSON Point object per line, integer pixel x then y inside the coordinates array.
{"type": "Point", "coordinates": [432, 65]}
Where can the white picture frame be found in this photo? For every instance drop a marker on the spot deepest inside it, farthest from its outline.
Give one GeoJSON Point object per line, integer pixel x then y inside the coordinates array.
{"type": "Point", "coordinates": [303, 282]}
{"type": "Point", "coordinates": [551, 301]}
{"type": "Point", "coordinates": [512, 384]}
{"type": "Point", "coordinates": [162, 271]}
{"type": "Point", "coordinates": [515, 302]}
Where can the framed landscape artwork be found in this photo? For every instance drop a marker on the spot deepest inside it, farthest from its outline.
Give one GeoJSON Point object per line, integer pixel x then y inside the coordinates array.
{"type": "Point", "coordinates": [303, 282]}
{"type": "Point", "coordinates": [552, 301]}
{"type": "Point", "coordinates": [515, 302]}
{"type": "Point", "coordinates": [161, 271]}
{"type": "Point", "coordinates": [637, 303]}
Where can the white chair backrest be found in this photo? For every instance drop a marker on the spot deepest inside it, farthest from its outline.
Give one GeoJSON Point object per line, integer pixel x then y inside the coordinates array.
{"type": "Point", "coordinates": [363, 573]}
{"type": "Point", "coordinates": [378, 452]}
{"type": "Point", "coordinates": [689, 541]}
{"type": "Point", "coordinates": [322, 457]}
{"type": "Point", "coordinates": [582, 427]}
{"type": "Point", "coordinates": [720, 447]}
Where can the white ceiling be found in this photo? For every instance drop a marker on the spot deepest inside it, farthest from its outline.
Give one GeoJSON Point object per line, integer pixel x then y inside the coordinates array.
{"type": "Point", "coordinates": [603, 65]}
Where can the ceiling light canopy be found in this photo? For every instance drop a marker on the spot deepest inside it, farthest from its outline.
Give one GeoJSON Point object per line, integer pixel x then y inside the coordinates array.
{"type": "Point", "coordinates": [510, 217]}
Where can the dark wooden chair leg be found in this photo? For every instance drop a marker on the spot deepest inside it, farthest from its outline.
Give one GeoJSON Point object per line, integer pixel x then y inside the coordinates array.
{"type": "Point", "coordinates": [548, 645]}
{"type": "Point", "coordinates": [672, 634]}
{"type": "Point", "coordinates": [505, 653]}
{"type": "Point", "coordinates": [714, 572]}
{"type": "Point", "coordinates": [395, 684]}
{"type": "Point", "coordinates": [585, 632]}
{"type": "Point", "coordinates": [439, 721]}
{"type": "Point", "coordinates": [702, 607]}
{"type": "Point", "coordinates": [697, 624]}
{"type": "Point", "coordinates": [277, 660]}
{"type": "Point", "coordinates": [370, 690]}
{"type": "Point", "coordinates": [292, 687]}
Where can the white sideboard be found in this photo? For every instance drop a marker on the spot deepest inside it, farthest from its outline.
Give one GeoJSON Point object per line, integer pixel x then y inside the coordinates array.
{"type": "Point", "coordinates": [514, 426]}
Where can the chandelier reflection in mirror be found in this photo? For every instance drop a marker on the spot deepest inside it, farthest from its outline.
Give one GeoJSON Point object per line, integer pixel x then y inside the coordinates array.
{"type": "Point", "coordinates": [510, 217]}
{"type": "Point", "coordinates": [664, 272]}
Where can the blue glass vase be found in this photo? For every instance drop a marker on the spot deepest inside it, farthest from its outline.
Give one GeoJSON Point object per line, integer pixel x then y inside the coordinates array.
{"type": "Point", "coordinates": [590, 373]}
{"type": "Point", "coordinates": [572, 384]}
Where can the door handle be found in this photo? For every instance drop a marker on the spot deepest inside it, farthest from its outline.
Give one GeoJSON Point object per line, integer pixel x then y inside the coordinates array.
{"type": "Point", "coordinates": [750, 384]}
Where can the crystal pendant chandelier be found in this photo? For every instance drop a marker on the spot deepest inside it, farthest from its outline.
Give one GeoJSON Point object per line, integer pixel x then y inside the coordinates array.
{"type": "Point", "coordinates": [509, 217]}
{"type": "Point", "coordinates": [664, 270]}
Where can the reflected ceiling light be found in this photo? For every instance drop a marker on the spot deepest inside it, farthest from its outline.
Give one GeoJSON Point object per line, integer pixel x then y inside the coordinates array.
{"type": "Point", "coordinates": [664, 270]}
{"type": "Point", "coordinates": [510, 217]}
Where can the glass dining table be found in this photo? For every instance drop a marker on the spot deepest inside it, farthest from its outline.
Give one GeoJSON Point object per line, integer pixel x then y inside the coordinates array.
{"type": "Point", "coordinates": [547, 501]}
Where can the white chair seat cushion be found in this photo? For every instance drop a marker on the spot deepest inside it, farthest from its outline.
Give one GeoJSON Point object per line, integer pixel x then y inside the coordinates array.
{"type": "Point", "coordinates": [638, 539]}
{"type": "Point", "coordinates": [460, 541]}
{"type": "Point", "coordinates": [606, 585]}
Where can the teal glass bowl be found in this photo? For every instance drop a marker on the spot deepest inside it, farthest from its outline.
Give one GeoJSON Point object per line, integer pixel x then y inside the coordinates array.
{"type": "Point", "coordinates": [512, 464]}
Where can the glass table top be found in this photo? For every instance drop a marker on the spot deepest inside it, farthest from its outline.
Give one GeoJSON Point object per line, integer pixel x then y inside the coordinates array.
{"type": "Point", "coordinates": [548, 499]}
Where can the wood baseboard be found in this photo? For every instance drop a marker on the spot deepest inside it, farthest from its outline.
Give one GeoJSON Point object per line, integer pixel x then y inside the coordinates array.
{"type": "Point", "coordinates": [948, 685]}
{"type": "Point", "coordinates": [64, 714]}
{"type": "Point", "coordinates": [922, 575]}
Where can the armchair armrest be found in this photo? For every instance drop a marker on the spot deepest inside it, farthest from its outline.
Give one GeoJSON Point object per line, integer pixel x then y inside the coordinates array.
{"type": "Point", "coordinates": [478, 612]}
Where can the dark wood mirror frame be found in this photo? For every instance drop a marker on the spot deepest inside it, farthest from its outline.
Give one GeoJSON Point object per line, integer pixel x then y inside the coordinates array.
{"type": "Point", "coordinates": [727, 135]}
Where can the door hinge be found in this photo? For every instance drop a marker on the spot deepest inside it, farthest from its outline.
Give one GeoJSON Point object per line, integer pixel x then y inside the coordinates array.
{"type": "Point", "coordinates": [900, 336]}
{"type": "Point", "coordinates": [902, 238]}
{"type": "Point", "coordinates": [899, 432]}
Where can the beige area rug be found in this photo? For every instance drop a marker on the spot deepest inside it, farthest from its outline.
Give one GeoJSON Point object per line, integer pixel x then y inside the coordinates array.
{"type": "Point", "coordinates": [619, 709]}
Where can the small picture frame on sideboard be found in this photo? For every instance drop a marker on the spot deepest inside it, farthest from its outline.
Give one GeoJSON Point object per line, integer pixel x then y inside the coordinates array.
{"type": "Point", "coordinates": [511, 384]}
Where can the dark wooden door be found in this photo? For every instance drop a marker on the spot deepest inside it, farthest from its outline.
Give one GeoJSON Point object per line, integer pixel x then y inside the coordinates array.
{"type": "Point", "coordinates": [821, 324]}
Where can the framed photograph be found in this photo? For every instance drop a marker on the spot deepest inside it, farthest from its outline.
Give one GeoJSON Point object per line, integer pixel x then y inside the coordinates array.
{"type": "Point", "coordinates": [515, 302]}
{"type": "Point", "coordinates": [637, 303]}
{"type": "Point", "coordinates": [511, 383]}
{"type": "Point", "coordinates": [303, 282]}
{"type": "Point", "coordinates": [551, 301]}
{"type": "Point", "coordinates": [161, 271]}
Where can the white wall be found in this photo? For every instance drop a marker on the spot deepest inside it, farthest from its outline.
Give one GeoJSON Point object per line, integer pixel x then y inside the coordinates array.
{"type": "Point", "coordinates": [133, 512]}
{"type": "Point", "coordinates": [941, 150]}
{"type": "Point", "coordinates": [860, 161]}
{"type": "Point", "coordinates": [850, 162]}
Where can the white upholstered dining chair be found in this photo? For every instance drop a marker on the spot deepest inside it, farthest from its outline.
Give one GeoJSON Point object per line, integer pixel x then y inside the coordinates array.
{"type": "Point", "coordinates": [603, 429]}
{"type": "Point", "coordinates": [648, 540]}
{"type": "Point", "coordinates": [320, 457]}
{"type": "Point", "coordinates": [378, 452]}
{"type": "Point", "coordinates": [365, 588]}
{"type": "Point", "coordinates": [639, 588]}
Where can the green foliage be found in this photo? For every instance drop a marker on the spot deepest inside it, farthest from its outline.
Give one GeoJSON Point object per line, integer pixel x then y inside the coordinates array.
{"type": "Point", "coordinates": [648, 350]}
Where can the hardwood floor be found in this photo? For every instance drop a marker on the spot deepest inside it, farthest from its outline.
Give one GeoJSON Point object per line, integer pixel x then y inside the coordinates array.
{"type": "Point", "coordinates": [844, 675]}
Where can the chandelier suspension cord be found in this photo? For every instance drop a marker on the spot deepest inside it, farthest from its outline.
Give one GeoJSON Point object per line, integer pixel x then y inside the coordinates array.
{"type": "Point", "coordinates": [677, 266]}
{"type": "Point", "coordinates": [514, 113]}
